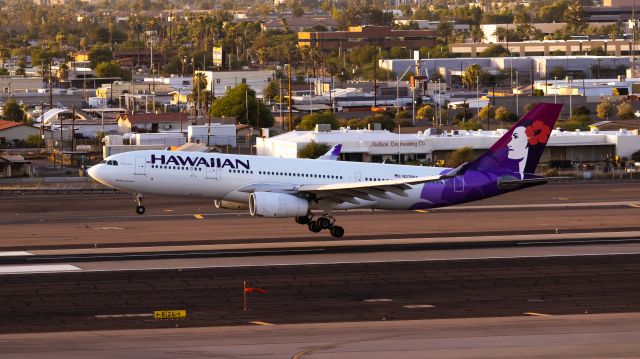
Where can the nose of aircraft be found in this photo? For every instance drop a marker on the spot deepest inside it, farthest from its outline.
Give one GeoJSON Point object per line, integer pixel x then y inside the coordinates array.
{"type": "Point", "coordinates": [93, 172]}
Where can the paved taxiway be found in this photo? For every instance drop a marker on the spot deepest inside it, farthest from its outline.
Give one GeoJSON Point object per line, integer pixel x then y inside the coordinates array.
{"type": "Point", "coordinates": [574, 336]}
{"type": "Point", "coordinates": [31, 222]}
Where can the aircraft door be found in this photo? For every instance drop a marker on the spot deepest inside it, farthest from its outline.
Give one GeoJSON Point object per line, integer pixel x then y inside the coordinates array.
{"type": "Point", "coordinates": [141, 165]}
{"type": "Point", "coordinates": [358, 176]}
{"type": "Point", "coordinates": [213, 173]}
{"type": "Point", "coordinates": [458, 184]}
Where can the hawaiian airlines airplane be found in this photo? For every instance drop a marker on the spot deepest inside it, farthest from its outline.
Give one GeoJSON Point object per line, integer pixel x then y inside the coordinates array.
{"type": "Point", "coordinates": [290, 187]}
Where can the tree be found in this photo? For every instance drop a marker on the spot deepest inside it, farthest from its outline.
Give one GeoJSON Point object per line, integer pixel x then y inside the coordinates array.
{"type": "Point", "coordinates": [310, 121]}
{"type": "Point", "coordinates": [502, 114]}
{"type": "Point", "coordinates": [557, 72]}
{"type": "Point", "coordinates": [426, 112]}
{"type": "Point", "coordinates": [444, 30]}
{"type": "Point", "coordinates": [575, 18]}
{"type": "Point", "coordinates": [636, 156]}
{"type": "Point", "coordinates": [528, 107]}
{"type": "Point", "coordinates": [460, 156]}
{"type": "Point", "coordinates": [522, 20]}
{"type": "Point", "coordinates": [625, 111]}
{"type": "Point", "coordinates": [270, 91]}
{"type": "Point", "coordinates": [99, 54]}
{"type": "Point", "coordinates": [313, 150]}
{"type": "Point", "coordinates": [487, 112]}
{"type": "Point", "coordinates": [472, 75]}
{"type": "Point", "coordinates": [477, 35]}
{"type": "Point", "coordinates": [577, 122]}
{"type": "Point", "coordinates": [12, 111]}
{"type": "Point", "coordinates": [471, 125]}
{"type": "Point", "coordinates": [5, 54]}
{"type": "Point", "coordinates": [604, 110]}
{"type": "Point", "coordinates": [110, 69]}
{"type": "Point", "coordinates": [235, 102]}
{"type": "Point", "coordinates": [494, 51]}
{"type": "Point", "coordinates": [581, 110]}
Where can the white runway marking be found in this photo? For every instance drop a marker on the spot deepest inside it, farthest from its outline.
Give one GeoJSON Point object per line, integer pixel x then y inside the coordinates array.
{"type": "Point", "coordinates": [108, 316]}
{"type": "Point", "coordinates": [15, 254]}
{"type": "Point", "coordinates": [38, 268]}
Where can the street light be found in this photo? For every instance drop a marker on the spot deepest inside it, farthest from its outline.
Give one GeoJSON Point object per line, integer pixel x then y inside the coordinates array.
{"type": "Point", "coordinates": [517, 98]}
{"type": "Point", "coordinates": [555, 88]}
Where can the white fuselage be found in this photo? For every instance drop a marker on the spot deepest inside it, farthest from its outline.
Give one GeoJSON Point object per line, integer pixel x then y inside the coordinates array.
{"type": "Point", "coordinates": [223, 176]}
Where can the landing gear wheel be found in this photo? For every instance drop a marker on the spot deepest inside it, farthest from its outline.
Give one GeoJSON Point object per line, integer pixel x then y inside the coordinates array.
{"type": "Point", "coordinates": [324, 222]}
{"type": "Point", "coordinates": [314, 226]}
{"type": "Point", "coordinates": [303, 220]}
{"type": "Point", "coordinates": [337, 231]}
{"type": "Point", "coordinates": [140, 207]}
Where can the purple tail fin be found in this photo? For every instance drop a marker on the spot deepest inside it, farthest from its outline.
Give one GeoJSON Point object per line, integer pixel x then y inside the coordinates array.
{"type": "Point", "coordinates": [520, 149]}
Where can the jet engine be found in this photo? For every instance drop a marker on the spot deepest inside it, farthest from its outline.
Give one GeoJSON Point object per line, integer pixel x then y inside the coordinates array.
{"type": "Point", "coordinates": [229, 205]}
{"type": "Point", "coordinates": [270, 204]}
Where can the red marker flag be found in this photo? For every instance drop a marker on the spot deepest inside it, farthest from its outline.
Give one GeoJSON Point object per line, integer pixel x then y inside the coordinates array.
{"type": "Point", "coordinates": [255, 290]}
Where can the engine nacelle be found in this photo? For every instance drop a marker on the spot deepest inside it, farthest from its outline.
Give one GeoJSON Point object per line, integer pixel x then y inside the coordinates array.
{"type": "Point", "coordinates": [229, 205]}
{"type": "Point", "coordinates": [269, 204]}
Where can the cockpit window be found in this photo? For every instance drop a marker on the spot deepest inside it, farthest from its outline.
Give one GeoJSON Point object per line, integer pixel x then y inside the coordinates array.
{"type": "Point", "coordinates": [115, 163]}
{"type": "Point", "coordinates": [102, 162]}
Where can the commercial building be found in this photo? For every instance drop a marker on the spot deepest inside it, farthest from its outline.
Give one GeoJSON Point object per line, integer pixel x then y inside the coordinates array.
{"type": "Point", "coordinates": [431, 146]}
{"type": "Point", "coordinates": [529, 67]}
{"type": "Point", "coordinates": [380, 36]}
{"type": "Point", "coordinates": [617, 47]}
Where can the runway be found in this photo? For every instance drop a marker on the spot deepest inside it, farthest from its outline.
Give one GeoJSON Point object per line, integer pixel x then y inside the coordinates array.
{"type": "Point", "coordinates": [554, 267]}
{"type": "Point", "coordinates": [327, 288]}
{"type": "Point", "coordinates": [572, 336]}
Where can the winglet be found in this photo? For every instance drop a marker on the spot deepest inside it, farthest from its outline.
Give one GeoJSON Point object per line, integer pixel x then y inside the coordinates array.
{"type": "Point", "coordinates": [333, 154]}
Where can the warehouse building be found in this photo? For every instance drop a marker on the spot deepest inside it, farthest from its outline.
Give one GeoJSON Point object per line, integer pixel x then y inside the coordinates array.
{"type": "Point", "coordinates": [430, 146]}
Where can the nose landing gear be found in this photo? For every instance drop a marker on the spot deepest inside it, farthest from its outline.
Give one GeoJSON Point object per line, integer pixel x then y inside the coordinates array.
{"type": "Point", "coordinates": [139, 208]}
{"type": "Point", "coordinates": [324, 222]}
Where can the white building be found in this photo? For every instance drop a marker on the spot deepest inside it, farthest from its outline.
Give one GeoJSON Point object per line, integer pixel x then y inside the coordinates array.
{"type": "Point", "coordinates": [226, 80]}
{"type": "Point", "coordinates": [219, 134]}
{"type": "Point", "coordinates": [380, 145]}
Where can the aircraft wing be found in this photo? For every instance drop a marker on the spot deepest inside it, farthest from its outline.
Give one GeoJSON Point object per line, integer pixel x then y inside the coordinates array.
{"type": "Point", "coordinates": [368, 190]}
{"type": "Point", "coordinates": [352, 191]}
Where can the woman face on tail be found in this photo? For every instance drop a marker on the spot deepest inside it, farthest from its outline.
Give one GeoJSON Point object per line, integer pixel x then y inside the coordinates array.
{"type": "Point", "coordinates": [518, 146]}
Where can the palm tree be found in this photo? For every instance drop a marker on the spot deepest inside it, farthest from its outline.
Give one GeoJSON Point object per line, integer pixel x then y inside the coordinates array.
{"type": "Point", "coordinates": [477, 35]}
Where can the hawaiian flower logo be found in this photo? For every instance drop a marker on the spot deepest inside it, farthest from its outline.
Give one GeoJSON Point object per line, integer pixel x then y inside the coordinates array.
{"type": "Point", "coordinates": [537, 133]}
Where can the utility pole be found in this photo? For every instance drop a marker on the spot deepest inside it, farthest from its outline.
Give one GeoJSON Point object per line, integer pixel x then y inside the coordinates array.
{"type": "Point", "coordinates": [375, 82]}
{"type": "Point", "coordinates": [289, 101]}
{"type": "Point", "coordinates": [281, 102]}
{"type": "Point", "coordinates": [41, 124]}
{"type": "Point", "coordinates": [478, 95]}
{"type": "Point", "coordinates": [50, 86]}
{"type": "Point", "coordinates": [517, 92]}
{"type": "Point", "coordinates": [73, 127]}
{"type": "Point", "coordinates": [197, 102]}
{"type": "Point", "coordinates": [213, 89]}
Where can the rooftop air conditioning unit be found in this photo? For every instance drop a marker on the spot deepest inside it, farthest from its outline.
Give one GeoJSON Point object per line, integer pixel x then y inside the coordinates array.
{"type": "Point", "coordinates": [323, 127]}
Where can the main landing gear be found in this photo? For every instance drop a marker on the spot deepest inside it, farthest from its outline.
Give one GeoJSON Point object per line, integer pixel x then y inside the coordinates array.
{"type": "Point", "coordinates": [324, 222]}
{"type": "Point", "coordinates": [139, 207]}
